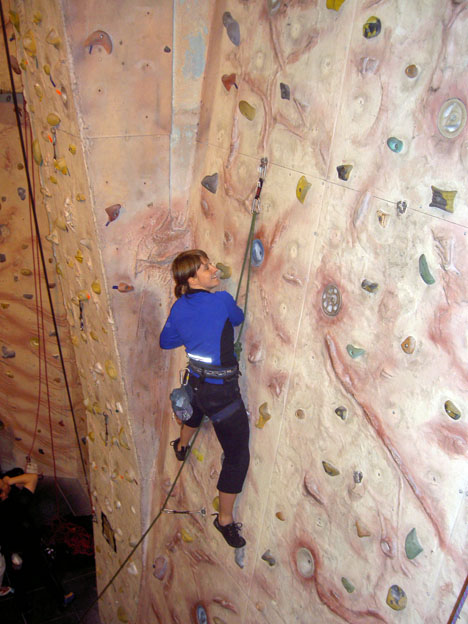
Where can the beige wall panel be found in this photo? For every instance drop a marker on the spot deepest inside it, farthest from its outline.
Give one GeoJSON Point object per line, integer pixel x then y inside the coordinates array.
{"type": "Point", "coordinates": [127, 91]}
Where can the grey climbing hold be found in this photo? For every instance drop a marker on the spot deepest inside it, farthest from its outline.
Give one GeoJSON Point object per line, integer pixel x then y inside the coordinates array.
{"type": "Point", "coordinates": [331, 300]}
{"type": "Point", "coordinates": [232, 28]}
{"type": "Point", "coordinates": [285, 91]}
{"type": "Point", "coordinates": [357, 476]}
{"type": "Point", "coordinates": [401, 207]}
{"type": "Point", "coordinates": [239, 556]}
{"type": "Point", "coordinates": [21, 193]}
{"type": "Point", "coordinates": [202, 617]}
{"type": "Point", "coordinates": [258, 253]}
{"type": "Point", "coordinates": [412, 545]}
{"type": "Point", "coordinates": [305, 562]}
{"type": "Point", "coordinates": [371, 287]}
{"type": "Point", "coordinates": [210, 182]}
{"type": "Point", "coordinates": [7, 353]}
{"type": "Point", "coordinates": [342, 412]}
{"type": "Point", "coordinates": [160, 566]}
{"type": "Point", "coordinates": [2, 257]}
{"type": "Point", "coordinates": [268, 557]}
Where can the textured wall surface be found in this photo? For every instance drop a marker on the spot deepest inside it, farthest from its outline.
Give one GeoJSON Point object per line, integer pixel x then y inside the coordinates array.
{"type": "Point", "coordinates": [355, 349]}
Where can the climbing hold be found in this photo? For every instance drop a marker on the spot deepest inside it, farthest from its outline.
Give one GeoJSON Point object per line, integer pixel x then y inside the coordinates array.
{"type": "Point", "coordinates": [225, 270]}
{"type": "Point", "coordinates": [9, 374]}
{"type": "Point", "coordinates": [395, 144]}
{"type": "Point", "coordinates": [305, 562]}
{"type": "Point", "coordinates": [14, 19]}
{"type": "Point", "coordinates": [396, 598]}
{"type": "Point", "coordinates": [215, 503]}
{"type": "Point", "coordinates": [113, 212]}
{"type": "Point", "coordinates": [452, 118]}
{"type": "Point", "coordinates": [80, 197]}
{"type": "Point", "coordinates": [210, 182]}
{"type": "Point", "coordinates": [452, 410]}
{"type": "Point", "coordinates": [53, 38]}
{"type": "Point", "coordinates": [300, 414]}
{"type": "Point", "coordinates": [354, 352]}
{"type": "Point", "coordinates": [411, 71]}
{"type": "Point", "coordinates": [53, 119]}
{"type": "Point", "coordinates": [334, 4]}
{"type": "Point", "coordinates": [342, 412]}
{"type": "Point", "coordinates": [46, 69]}
{"type": "Point", "coordinates": [408, 345]}
{"type": "Point", "coordinates": [37, 17]}
{"type": "Point", "coordinates": [268, 557]}
{"type": "Point", "coordinates": [330, 469]}
{"type": "Point", "coordinates": [344, 171]}
{"type": "Point", "coordinates": [401, 206]}
{"type": "Point", "coordinates": [123, 287]}
{"type": "Point", "coordinates": [371, 287]}
{"type": "Point", "coordinates": [61, 165]}
{"type": "Point", "coordinates": [302, 189]}
{"type": "Point", "coordinates": [232, 28]}
{"type": "Point", "coordinates": [99, 38]}
{"type": "Point", "coordinates": [412, 545]}
{"type": "Point", "coordinates": [2, 257]}
{"type": "Point", "coordinates": [53, 237]}
{"type": "Point", "coordinates": [83, 295]}
{"type": "Point", "coordinates": [186, 536]}
{"type": "Point", "coordinates": [39, 92]}
{"type": "Point", "coordinates": [72, 148]}
{"type": "Point", "coordinates": [372, 27]}
{"type": "Point", "coordinates": [201, 615]}
{"type": "Point", "coordinates": [285, 91]}
{"type": "Point", "coordinates": [122, 615]}
{"type": "Point", "coordinates": [264, 416]}
{"type": "Point", "coordinates": [442, 199]}
{"type": "Point", "coordinates": [331, 300]}
{"type": "Point", "coordinates": [21, 193]}
{"type": "Point", "coordinates": [247, 110]}
{"type": "Point", "coordinates": [258, 253]}
{"type": "Point", "coordinates": [110, 369]}
{"type": "Point", "coordinates": [280, 516]}
{"type": "Point", "coordinates": [167, 49]}
{"type": "Point", "coordinates": [37, 152]}
{"type": "Point", "coordinates": [14, 64]}
{"type": "Point", "coordinates": [311, 488]}
{"type": "Point", "coordinates": [53, 179]}
{"type": "Point", "coordinates": [29, 43]}
{"type": "Point", "coordinates": [198, 455]}
{"type": "Point", "coordinates": [94, 336]}
{"type": "Point", "coordinates": [26, 272]}
{"type": "Point", "coordinates": [347, 585]}
{"type": "Point", "coordinates": [239, 557]}
{"type": "Point", "coordinates": [160, 566]}
{"type": "Point", "coordinates": [424, 270]}
{"type": "Point", "coordinates": [4, 305]}
{"type": "Point", "coordinates": [28, 296]}
{"type": "Point", "coordinates": [7, 353]}
{"type": "Point", "coordinates": [361, 529]}
{"type": "Point", "coordinates": [96, 287]}
{"type": "Point", "coordinates": [229, 80]}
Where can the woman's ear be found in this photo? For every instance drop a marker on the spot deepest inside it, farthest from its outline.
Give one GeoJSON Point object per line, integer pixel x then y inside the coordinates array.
{"type": "Point", "coordinates": [192, 281]}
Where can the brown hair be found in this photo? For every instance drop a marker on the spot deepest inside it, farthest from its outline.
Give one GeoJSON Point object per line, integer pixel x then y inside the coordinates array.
{"type": "Point", "coordinates": [185, 265]}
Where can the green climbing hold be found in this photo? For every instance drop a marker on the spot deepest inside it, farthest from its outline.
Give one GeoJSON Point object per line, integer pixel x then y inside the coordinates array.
{"type": "Point", "coordinates": [452, 410]}
{"type": "Point", "coordinates": [347, 585]}
{"type": "Point", "coordinates": [247, 110]}
{"type": "Point", "coordinates": [424, 270]}
{"type": "Point", "coordinates": [412, 545]}
{"type": "Point", "coordinates": [396, 145]}
{"type": "Point", "coordinates": [354, 352]}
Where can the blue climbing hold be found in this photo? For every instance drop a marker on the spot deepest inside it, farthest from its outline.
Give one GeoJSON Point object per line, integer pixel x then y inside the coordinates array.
{"type": "Point", "coordinates": [202, 617]}
{"type": "Point", "coordinates": [258, 253]}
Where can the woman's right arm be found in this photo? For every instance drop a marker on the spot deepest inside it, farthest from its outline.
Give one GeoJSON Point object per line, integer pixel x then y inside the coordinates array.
{"type": "Point", "coordinates": [169, 337]}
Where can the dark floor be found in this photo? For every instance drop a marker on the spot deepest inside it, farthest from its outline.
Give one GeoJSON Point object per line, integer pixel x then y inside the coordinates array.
{"type": "Point", "coordinates": [34, 601]}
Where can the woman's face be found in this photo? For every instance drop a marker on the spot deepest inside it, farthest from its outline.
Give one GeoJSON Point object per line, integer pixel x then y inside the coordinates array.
{"type": "Point", "coordinates": [206, 277]}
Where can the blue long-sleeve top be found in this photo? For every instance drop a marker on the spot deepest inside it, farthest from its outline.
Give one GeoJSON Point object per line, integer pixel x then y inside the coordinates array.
{"type": "Point", "coordinates": [203, 322]}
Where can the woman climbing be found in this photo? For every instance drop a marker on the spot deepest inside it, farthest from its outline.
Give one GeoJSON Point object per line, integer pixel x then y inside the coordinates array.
{"type": "Point", "coordinates": [202, 321]}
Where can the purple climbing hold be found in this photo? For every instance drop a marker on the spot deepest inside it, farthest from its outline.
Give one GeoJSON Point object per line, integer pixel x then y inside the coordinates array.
{"type": "Point", "coordinates": [232, 28]}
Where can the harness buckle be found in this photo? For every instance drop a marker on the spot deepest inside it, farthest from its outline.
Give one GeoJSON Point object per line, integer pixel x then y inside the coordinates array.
{"type": "Point", "coordinates": [184, 376]}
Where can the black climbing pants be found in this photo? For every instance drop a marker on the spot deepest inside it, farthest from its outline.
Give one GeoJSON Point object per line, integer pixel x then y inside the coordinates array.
{"type": "Point", "coordinates": [232, 432]}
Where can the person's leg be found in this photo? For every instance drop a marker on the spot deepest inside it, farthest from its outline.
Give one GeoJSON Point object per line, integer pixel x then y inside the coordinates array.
{"type": "Point", "coordinates": [186, 434]}
{"type": "Point", "coordinates": [226, 505]}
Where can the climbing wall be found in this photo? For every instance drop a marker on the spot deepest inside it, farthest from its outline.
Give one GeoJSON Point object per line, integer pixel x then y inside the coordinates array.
{"type": "Point", "coordinates": [34, 410]}
{"type": "Point", "coordinates": [72, 209]}
{"type": "Point", "coordinates": [354, 360]}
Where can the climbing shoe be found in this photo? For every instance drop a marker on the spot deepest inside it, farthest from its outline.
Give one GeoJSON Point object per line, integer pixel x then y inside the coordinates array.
{"type": "Point", "coordinates": [181, 453]}
{"type": "Point", "coordinates": [230, 532]}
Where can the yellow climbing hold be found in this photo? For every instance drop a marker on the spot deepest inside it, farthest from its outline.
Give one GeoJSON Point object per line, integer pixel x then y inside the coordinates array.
{"type": "Point", "coordinates": [61, 165]}
{"type": "Point", "coordinates": [75, 340]}
{"type": "Point", "coordinates": [39, 92]}
{"type": "Point", "coordinates": [280, 516]}
{"type": "Point", "coordinates": [198, 455]}
{"type": "Point", "coordinates": [80, 197]}
{"type": "Point", "coordinates": [335, 4]}
{"type": "Point", "coordinates": [53, 179]}
{"type": "Point", "coordinates": [29, 43]}
{"type": "Point", "coordinates": [264, 416]}
{"type": "Point", "coordinates": [215, 503]}
{"type": "Point", "coordinates": [94, 336]}
{"type": "Point", "coordinates": [110, 369]}
{"type": "Point", "coordinates": [34, 342]}
{"type": "Point", "coordinates": [26, 272]}
{"type": "Point", "coordinates": [361, 529]}
{"type": "Point", "coordinates": [4, 305]}
{"type": "Point", "coordinates": [396, 598]}
{"type": "Point", "coordinates": [97, 409]}
{"type": "Point", "coordinates": [409, 345]}
{"type": "Point", "coordinates": [46, 69]}
{"type": "Point", "coordinates": [37, 17]}
{"type": "Point", "coordinates": [53, 119]}
{"type": "Point", "coordinates": [72, 148]}
{"type": "Point", "coordinates": [61, 224]}
{"type": "Point", "coordinates": [122, 615]}
{"type": "Point", "coordinates": [247, 110]}
{"type": "Point", "coordinates": [53, 38]}
{"type": "Point", "coordinates": [24, 66]}
{"type": "Point", "coordinates": [70, 263]}
{"type": "Point", "coordinates": [186, 536]}
{"type": "Point", "coordinates": [58, 269]}
{"type": "Point", "coordinates": [83, 295]}
{"type": "Point", "coordinates": [37, 152]}
{"type": "Point", "coordinates": [14, 19]}
{"type": "Point", "coordinates": [302, 188]}
{"type": "Point", "coordinates": [45, 191]}
{"type": "Point", "coordinates": [79, 256]}
{"type": "Point", "coordinates": [96, 287]}
{"type": "Point", "coordinates": [91, 436]}
{"type": "Point", "coordinates": [8, 373]}
{"type": "Point", "coordinates": [123, 441]}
